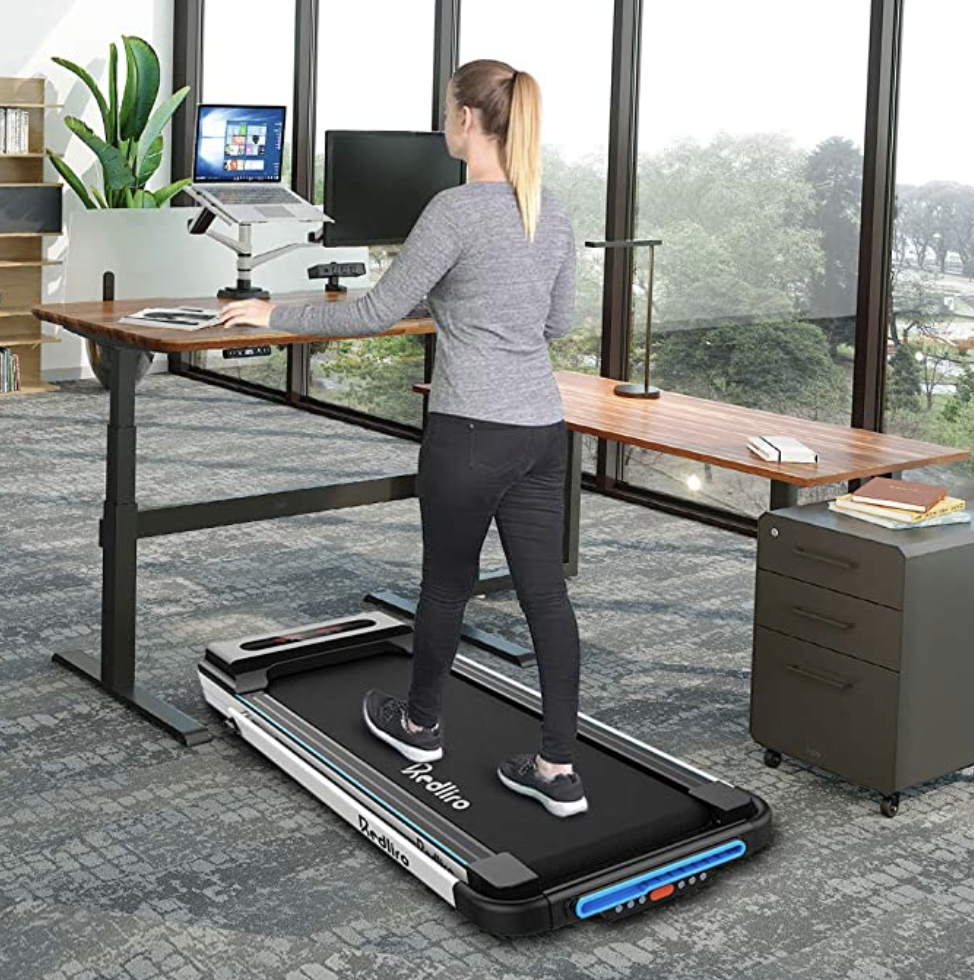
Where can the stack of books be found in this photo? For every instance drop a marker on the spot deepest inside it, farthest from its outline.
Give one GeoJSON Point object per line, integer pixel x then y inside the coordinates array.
{"type": "Point", "coordinates": [900, 504]}
{"type": "Point", "coordinates": [9, 371]}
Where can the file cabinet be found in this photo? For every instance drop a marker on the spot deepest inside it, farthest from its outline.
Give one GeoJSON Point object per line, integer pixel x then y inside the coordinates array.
{"type": "Point", "coordinates": [863, 658]}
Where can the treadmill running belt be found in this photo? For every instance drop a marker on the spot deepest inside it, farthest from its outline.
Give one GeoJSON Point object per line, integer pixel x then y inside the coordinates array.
{"type": "Point", "coordinates": [630, 811]}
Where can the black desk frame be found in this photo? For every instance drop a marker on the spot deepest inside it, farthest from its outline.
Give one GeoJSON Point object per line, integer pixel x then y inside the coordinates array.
{"type": "Point", "coordinates": [124, 523]}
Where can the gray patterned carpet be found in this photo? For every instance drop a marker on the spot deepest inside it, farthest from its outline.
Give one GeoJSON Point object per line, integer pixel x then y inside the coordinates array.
{"type": "Point", "coordinates": [123, 855]}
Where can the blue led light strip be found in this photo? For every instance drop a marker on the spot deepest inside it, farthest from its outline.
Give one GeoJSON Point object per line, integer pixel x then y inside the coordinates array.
{"type": "Point", "coordinates": [351, 779]}
{"type": "Point", "coordinates": [636, 888]}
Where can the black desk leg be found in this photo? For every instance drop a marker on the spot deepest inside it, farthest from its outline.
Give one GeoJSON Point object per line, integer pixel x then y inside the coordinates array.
{"type": "Point", "coordinates": [573, 503]}
{"type": "Point", "coordinates": [783, 495]}
{"type": "Point", "coordinates": [115, 672]}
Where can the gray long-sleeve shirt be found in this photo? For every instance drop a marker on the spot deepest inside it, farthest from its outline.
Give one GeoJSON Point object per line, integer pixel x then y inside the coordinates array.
{"type": "Point", "coordinates": [496, 299]}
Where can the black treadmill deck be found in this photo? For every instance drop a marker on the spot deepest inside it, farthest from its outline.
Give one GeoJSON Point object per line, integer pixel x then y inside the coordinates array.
{"type": "Point", "coordinates": [630, 810]}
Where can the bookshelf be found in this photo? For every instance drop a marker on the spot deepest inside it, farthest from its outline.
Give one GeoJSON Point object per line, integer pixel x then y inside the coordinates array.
{"type": "Point", "coordinates": [22, 260]}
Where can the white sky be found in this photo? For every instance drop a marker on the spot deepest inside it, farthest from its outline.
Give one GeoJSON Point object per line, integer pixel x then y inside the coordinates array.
{"type": "Point", "coordinates": [785, 66]}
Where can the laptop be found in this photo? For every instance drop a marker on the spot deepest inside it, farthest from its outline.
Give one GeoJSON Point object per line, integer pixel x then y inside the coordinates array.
{"type": "Point", "coordinates": [237, 165]}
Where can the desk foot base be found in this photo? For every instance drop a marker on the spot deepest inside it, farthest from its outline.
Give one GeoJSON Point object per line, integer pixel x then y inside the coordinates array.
{"type": "Point", "coordinates": [490, 642]}
{"type": "Point", "coordinates": [188, 730]}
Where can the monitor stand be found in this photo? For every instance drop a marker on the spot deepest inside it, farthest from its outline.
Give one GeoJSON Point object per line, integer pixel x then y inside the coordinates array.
{"type": "Point", "coordinates": [243, 246]}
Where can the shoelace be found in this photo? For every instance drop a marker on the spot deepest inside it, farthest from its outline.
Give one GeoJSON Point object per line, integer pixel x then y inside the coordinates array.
{"type": "Point", "coordinates": [394, 708]}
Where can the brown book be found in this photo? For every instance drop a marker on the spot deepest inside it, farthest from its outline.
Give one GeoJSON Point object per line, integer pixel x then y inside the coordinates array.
{"type": "Point", "coordinates": [901, 494]}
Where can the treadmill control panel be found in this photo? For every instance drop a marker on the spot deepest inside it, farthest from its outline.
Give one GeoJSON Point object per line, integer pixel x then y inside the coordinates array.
{"type": "Point", "coordinates": [329, 629]}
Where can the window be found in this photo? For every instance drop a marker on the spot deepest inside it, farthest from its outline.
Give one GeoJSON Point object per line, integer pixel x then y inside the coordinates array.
{"type": "Point", "coordinates": [930, 367]}
{"type": "Point", "coordinates": [372, 79]}
{"type": "Point", "coordinates": [574, 73]}
{"type": "Point", "coordinates": [750, 171]}
{"type": "Point", "coordinates": [248, 51]}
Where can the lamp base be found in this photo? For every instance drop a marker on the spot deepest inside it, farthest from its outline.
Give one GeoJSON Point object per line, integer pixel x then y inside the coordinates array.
{"type": "Point", "coordinates": [637, 391]}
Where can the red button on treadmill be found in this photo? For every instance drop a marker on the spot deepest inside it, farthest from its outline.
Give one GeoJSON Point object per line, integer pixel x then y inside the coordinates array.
{"type": "Point", "coordinates": [664, 892]}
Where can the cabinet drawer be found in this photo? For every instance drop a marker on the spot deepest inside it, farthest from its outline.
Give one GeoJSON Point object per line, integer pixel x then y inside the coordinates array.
{"type": "Point", "coordinates": [826, 708]}
{"type": "Point", "coordinates": [865, 630]}
{"type": "Point", "coordinates": [843, 562]}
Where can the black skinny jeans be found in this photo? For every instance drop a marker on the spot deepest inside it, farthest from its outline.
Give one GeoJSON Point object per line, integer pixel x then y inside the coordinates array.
{"type": "Point", "coordinates": [472, 470]}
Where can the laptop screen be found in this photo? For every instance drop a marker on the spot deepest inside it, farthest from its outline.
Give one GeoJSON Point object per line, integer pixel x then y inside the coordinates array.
{"type": "Point", "coordinates": [238, 143]}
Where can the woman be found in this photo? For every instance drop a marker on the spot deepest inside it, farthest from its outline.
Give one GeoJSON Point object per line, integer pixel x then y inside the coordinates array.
{"type": "Point", "coordinates": [496, 257]}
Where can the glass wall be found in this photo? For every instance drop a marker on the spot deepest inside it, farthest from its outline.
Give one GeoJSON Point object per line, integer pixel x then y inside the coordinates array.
{"type": "Point", "coordinates": [575, 79]}
{"type": "Point", "coordinates": [376, 74]}
{"type": "Point", "coordinates": [750, 171]}
{"type": "Point", "coordinates": [929, 361]}
{"type": "Point", "coordinates": [248, 50]}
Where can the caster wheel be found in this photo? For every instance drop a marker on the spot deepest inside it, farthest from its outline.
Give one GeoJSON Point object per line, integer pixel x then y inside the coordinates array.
{"type": "Point", "coordinates": [772, 759]}
{"type": "Point", "coordinates": [890, 805]}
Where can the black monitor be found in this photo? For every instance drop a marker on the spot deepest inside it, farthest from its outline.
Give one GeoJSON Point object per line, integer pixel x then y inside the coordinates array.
{"type": "Point", "coordinates": [378, 182]}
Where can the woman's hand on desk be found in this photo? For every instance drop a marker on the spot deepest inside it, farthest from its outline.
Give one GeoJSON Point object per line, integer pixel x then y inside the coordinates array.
{"type": "Point", "coordinates": [246, 312]}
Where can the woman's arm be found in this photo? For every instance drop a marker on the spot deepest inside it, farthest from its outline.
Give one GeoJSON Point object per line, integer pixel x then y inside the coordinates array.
{"type": "Point", "coordinates": [561, 313]}
{"type": "Point", "coordinates": [430, 251]}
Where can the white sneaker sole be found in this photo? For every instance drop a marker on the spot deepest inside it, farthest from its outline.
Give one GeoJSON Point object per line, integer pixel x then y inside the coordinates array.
{"type": "Point", "coordinates": [411, 752]}
{"type": "Point", "coordinates": [557, 807]}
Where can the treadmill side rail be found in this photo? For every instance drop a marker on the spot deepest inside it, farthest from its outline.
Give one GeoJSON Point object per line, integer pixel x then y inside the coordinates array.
{"type": "Point", "coordinates": [371, 826]}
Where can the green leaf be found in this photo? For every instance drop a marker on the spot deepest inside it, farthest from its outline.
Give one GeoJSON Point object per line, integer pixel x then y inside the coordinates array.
{"type": "Point", "coordinates": [143, 199]}
{"type": "Point", "coordinates": [165, 194]}
{"type": "Point", "coordinates": [157, 123]}
{"type": "Point", "coordinates": [117, 172]}
{"type": "Point", "coordinates": [92, 86]}
{"type": "Point", "coordinates": [73, 180]}
{"type": "Point", "coordinates": [127, 112]}
{"type": "Point", "coordinates": [150, 162]}
{"type": "Point", "coordinates": [147, 76]}
{"type": "Point", "coordinates": [112, 136]}
{"type": "Point", "coordinates": [129, 198]}
{"type": "Point", "coordinates": [98, 197]}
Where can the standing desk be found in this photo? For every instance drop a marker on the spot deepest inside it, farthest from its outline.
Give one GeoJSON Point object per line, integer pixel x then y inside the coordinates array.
{"type": "Point", "coordinates": [677, 424]}
{"type": "Point", "coordinates": [123, 522]}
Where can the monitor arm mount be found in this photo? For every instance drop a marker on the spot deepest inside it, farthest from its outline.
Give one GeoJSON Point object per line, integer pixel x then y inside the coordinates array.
{"type": "Point", "coordinates": [243, 246]}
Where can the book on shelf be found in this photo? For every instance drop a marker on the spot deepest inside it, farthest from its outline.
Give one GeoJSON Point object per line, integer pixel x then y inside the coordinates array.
{"type": "Point", "coordinates": [9, 371]}
{"type": "Point", "coordinates": [14, 130]}
{"type": "Point", "coordinates": [958, 516]}
{"type": "Point", "coordinates": [900, 494]}
{"type": "Point", "coordinates": [173, 317]}
{"type": "Point", "coordinates": [781, 449]}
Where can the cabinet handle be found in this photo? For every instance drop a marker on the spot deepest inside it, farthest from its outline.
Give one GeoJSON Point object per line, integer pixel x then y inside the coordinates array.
{"type": "Point", "coordinates": [818, 618]}
{"type": "Point", "coordinates": [846, 566]}
{"type": "Point", "coordinates": [821, 678]}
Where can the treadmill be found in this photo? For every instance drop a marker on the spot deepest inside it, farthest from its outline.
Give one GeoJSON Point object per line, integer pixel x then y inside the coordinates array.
{"type": "Point", "coordinates": [656, 827]}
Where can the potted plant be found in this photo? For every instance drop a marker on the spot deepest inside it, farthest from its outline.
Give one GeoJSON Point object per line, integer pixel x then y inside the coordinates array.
{"type": "Point", "coordinates": [130, 150]}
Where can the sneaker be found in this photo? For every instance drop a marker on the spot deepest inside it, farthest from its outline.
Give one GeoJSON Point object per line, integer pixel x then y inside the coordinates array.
{"type": "Point", "coordinates": [385, 717]}
{"type": "Point", "coordinates": [563, 796]}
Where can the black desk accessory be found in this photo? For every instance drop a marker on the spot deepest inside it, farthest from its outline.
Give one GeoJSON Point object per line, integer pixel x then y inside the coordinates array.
{"type": "Point", "coordinates": [332, 270]}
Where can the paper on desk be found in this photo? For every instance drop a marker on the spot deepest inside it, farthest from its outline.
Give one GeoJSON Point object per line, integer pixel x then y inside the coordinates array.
{"type": "Point", "coordinates": [173, 317]}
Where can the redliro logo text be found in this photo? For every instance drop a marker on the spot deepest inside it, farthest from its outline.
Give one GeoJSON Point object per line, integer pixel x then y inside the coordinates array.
{"type": "Point", "coordinates": [446, 792]}
{"type": "Point", "coordinates": [382, 842]}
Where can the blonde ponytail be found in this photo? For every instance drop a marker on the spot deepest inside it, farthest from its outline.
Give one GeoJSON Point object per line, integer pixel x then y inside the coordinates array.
{"type": "Point", "coordinates": [510, 110]}
{"type": "Point", "coordinates": [523, 149]}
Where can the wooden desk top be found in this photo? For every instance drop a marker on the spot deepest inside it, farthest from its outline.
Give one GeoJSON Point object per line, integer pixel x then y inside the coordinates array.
{"type": "Point", "coordinates": [717, 433]}
{"type": "Point", "coordinates": [99, 320]}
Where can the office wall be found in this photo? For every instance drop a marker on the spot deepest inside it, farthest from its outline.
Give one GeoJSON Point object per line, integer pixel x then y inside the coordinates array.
{"type": "Point", "coordinates": [79, 30]}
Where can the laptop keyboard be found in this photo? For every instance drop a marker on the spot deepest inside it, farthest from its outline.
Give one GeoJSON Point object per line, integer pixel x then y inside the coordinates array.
{"type": "Point", "coordinates": [252, 195]}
